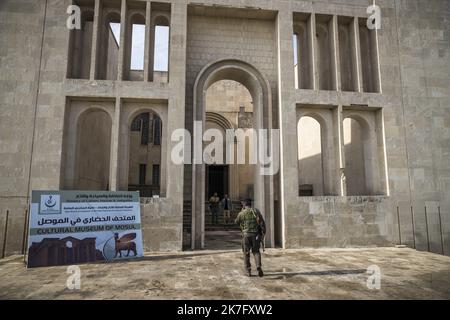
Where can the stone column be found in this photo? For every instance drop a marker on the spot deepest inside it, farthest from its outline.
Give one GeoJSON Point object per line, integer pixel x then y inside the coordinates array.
{"type": "Point", "coordinates": [114, 155]}
{"type": "Point", "coordinates": [176, 108]}
{"type": "Point", "coordinates": [335, 51]}
{"type": "Point", "coordinates": [312, 38]}
{"type": "Point", "coordinates": [340, 149]}
{"type": "Point", "coordinates": [383, 187]}
{"type": "Point", "coordinates": [148, 18]}
{"type": "Point", "coordinates": [95, 38]}
{"type": "Point", "coordinates": [287, 124]}
{"type": "Point", "coordinates": [122, 44]}
{"type": "Point", "coordinates": [355, 34]}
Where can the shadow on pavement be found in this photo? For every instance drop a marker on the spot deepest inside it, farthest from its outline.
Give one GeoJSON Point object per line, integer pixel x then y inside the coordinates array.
{"type": "Point", "coordinates": [280, 275]}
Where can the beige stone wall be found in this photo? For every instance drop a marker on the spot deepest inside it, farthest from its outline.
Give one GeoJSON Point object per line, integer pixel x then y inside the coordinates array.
{"type": "Point", "coordinates": [228, 96]}
{"type": "Point", "coordinates": [21, 25]}
{"type": "Point", "coordinates": [423, 71]}
{"type": "Point", "coordinates": [29, 77]}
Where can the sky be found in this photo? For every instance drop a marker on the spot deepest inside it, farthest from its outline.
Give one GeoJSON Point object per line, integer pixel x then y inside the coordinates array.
{"type": "Point", "coordinates": [138, 43]}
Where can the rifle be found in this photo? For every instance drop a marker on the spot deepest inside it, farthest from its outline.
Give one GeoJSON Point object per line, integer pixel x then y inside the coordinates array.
{"type": "Point", "coordinates": [261, 234]}
{"type": "Point", "coordinates": [263, 242]}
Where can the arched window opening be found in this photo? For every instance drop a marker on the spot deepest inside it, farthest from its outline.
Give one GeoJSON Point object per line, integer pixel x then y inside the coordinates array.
{"type": "Point", "coordinates": [134, 53]}
{"type": "Point", "coordinates": [159, 47]}
{"type": "Point", "coordinates": [355, 161]}
{"type": "Point", "coordinates": [144, 173]}
{"type": "Point", "coordinates": [109, 47]}
{"type": "Point", "coordinates": [323, 52]}
{"type": "Point", "coordinates": [137, 47]}
{"type": "Point", "coordinates": [310, 157]}
{"type": "Point", "coordinates": [302, 51]}
{"type": "Point", "coordinates": [347, 54]}
{"type": "Point", "coordinates": [369, 57]}
{"type": "Point", "coordinates": [80, 48]}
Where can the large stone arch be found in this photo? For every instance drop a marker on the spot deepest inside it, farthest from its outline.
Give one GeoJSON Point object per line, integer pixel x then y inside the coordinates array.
{"type": "Point", "coordinates": [259, 88]}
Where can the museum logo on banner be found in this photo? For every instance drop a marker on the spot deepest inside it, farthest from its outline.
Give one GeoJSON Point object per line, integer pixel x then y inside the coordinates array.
{"type": "Point", "coordinates": [50, 204]}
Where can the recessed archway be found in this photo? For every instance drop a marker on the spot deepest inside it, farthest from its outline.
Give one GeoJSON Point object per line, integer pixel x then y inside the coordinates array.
{"type": "Point", "coordinates": [310, 156]}
{"type": "Point", "coordinates": [87, 147]}
{"type": "Point", "coordinates": [259, 89]}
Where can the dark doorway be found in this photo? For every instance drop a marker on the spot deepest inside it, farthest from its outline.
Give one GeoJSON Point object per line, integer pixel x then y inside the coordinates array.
{"type": "Point", "coordinates": [216, 180]}
{"type": "Point", "coordinates": [219, 236]}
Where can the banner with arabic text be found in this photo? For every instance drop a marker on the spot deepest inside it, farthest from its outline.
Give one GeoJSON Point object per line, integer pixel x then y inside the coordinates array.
{"type": "Point", "coordinates": [70, 227]}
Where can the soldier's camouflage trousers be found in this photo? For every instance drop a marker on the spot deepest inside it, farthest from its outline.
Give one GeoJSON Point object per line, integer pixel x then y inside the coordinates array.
{"type": "Point", "coordinates": [250, 243]}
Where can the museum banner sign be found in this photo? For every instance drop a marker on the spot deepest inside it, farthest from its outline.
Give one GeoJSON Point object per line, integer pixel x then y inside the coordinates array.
{"type": "Point", "coordinates": [70, 227]}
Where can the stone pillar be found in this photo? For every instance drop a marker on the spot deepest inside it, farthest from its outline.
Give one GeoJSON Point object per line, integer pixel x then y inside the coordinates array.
{"type": "Point", "coordinates": [176, 108]}
{"type": "Point", "coordinates": [148, 18]}
{"type": "Point", "coordinates": [95, 39]}
{"type": "Point", "coordinates": [312, 39]}
{"type": "Point", "coordinates": [114, 155]}
{"type": "Point", "coordinates": [340, 148]}
{"type": "Point", "coordinates": [198, 197]}
{"type": "Point", "coordinates": [383, 187]}
{"type": "Point", "coordinates": [355, 34]}
{"type": "Point", "coordinates": [122, 44]}
{"type": "Point", "coordinates": [287, 116]}
{"type": "Point", "coordinates": [335, 51]}
{"type": "Point", "coordinates": [151, 48]}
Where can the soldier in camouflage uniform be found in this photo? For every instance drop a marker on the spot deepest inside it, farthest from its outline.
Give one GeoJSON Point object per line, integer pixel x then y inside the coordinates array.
{"type": "Point", "coordinates": [253, 230]}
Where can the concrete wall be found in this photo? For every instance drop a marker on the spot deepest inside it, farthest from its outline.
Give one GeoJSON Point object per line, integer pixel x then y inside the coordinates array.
{"type": "Point", "coordinates": [21, 26]}
{"type": "Point", "coordinates": [24, 36]}
{"type": "Point", "coordinates": [423, 71]}
{"type": "Point", "coordinates": [405, 71]}
{"type": "Point", "coordinates": [341, 222]}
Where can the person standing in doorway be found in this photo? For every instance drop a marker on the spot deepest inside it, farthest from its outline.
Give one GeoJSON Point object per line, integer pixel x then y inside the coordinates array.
{"type": "Point", "coordinates": [227, 207]}
{"type": "Point", "coordinates": [253, 230]}
{"type": "Point", "coordinates": [214, 207]}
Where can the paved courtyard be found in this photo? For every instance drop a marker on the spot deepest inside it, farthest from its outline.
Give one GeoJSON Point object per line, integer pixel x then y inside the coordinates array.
{"type": "Point", "coordinates": [217, 274]}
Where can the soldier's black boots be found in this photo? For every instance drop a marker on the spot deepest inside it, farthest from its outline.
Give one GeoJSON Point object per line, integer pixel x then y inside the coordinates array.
{"type": "Point", "coordinates": [260, 272]}
{"type": "Point", "coordinates": [249, 273]}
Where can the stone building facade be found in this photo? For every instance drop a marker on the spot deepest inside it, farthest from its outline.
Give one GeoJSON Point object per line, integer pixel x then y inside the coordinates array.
{"type": "Point", "coordinates": [363, 114]}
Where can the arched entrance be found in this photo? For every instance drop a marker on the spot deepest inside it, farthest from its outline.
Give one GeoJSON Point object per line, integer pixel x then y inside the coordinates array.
{"type": "Point", "coordinates": [259, 89]}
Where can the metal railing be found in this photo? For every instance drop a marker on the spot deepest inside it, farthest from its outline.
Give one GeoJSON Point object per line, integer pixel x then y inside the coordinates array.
{"type": "Point", "coordinates": [413, 224]}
